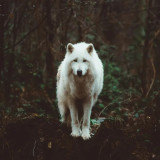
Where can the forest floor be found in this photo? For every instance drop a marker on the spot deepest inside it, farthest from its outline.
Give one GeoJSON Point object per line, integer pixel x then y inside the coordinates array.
{"type": "Point", "coordinates": [38, 138]}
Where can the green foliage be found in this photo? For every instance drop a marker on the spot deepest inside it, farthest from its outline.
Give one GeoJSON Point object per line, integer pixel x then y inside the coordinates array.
{"type": "Point", "coordinates": [119, 84]}
{"type": "Point", "coordinates": [78, 21]}
{"type": "Point", "coordinates": [90, 37]}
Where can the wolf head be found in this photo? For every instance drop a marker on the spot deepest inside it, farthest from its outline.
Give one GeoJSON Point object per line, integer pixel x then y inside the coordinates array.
{"type": "Point", "coordinates": [80, 55]}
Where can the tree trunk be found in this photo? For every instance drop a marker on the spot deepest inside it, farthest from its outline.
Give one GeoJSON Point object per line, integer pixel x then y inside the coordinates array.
{"type": "Point", "coordinates": [146, 50]}
{"type": "Point", "coordinates": [2, 21]}
{"type": "Point", "coordinates": [10, 69]}
{"type": "Point", "coordinates": [49, 69]}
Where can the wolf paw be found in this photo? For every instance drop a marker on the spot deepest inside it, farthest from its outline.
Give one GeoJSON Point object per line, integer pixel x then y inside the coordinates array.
{"type": "Point", "coordinates": [86, 136]}
{"type": "Point", "coordinates": [85, 133]}
{"type": "Point", "coordinates": [76, 134]}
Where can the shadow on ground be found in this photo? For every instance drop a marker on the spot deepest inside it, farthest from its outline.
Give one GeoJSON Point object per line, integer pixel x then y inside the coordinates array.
{"type": "Point", "coordinates": [47, 139]}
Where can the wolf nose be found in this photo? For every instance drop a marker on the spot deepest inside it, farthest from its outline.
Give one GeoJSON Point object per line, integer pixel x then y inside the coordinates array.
{"type": "Point", "coordinates": [79, 72]}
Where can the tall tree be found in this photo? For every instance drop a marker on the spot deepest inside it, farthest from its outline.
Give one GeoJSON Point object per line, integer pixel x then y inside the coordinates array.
{"type": "Point", "coordinates": [12, 57]}
{"type": "Point", "coordinates": [146, 48]}
{"type": "Point", "coordinates": [2, 29]}
{"type": "Point", "coordinates": [49, 70]}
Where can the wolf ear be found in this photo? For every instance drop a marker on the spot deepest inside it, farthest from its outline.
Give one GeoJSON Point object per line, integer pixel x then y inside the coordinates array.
{"type": "Point", "coordinates": [70, 48]}
{"type": "Point", "coordinates": [90, 48]}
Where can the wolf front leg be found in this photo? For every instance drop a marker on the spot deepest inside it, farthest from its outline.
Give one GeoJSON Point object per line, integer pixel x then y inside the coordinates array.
{"type": "Point", "coordinates": [63, 112]}
{"type": "Point", "coordinates": [76, 132]}
{"type": "Point", "coordinates": [87, 107]}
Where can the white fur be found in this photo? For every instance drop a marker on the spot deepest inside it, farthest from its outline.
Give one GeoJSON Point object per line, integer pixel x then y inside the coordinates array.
{"type": "Point", "coordinates": [79, 92]}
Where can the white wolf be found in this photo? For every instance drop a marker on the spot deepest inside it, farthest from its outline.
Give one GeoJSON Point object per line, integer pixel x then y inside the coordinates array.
{"type": "Point", "coordinates": [79, 82]}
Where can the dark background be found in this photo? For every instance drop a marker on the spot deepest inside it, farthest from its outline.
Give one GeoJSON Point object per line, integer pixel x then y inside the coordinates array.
{"type": "Point", "coordinates": [126, 35]}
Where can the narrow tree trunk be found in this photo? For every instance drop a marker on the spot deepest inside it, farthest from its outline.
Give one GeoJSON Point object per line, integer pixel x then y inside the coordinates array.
{"type": "Point", "coordinates": [2, 21]}
{"type": "Point", "coordinates": [157, 49]}
{"type": "Point", "coordinates": [3, 17]}
{"type": "Point", "coordinates": [49, 70]}
{"type": "Point", "coordinates": [146, 49]}
{"type": "Point", "coordinates": [10, 69]}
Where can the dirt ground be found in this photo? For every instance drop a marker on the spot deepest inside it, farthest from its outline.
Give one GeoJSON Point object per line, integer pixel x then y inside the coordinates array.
{"type": "Point", "coordinates": [34, 138]}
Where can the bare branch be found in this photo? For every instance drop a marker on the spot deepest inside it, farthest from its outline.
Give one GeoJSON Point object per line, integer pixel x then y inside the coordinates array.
{"type": "Point", "coordinates": [26, 35]}
{"type": "Point", "coordinates": [110, 104]}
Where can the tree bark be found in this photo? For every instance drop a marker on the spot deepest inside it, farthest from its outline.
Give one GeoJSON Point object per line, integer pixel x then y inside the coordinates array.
{"type": "Point", "coordinates": [2, 21]}
{"type": "Point", "coordinates": [9, 74]}
{"type": "Point", "coordinates": [146, 49]}
{"type": "Point", "coordinates": [49, 69]}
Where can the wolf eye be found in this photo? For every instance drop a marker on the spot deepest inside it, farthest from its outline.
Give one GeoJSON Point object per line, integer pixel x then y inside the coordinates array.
{"type": "Point", "coordinates": [75, 60]}
{"type": "Point", "coordinates": [84, 60]}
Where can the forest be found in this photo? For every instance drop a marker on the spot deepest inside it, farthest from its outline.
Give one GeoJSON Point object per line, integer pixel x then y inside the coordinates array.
{"type": "Point", "coordinates": [125, 121]}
